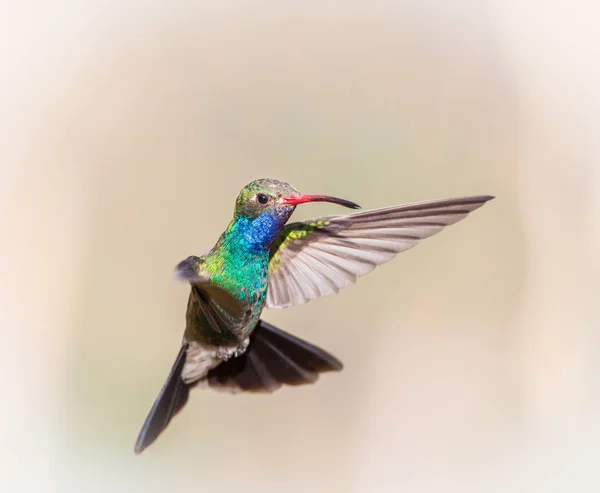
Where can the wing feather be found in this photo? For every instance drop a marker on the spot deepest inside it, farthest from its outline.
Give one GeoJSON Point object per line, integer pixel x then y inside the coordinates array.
{"type": "Point", "coordinates": [222, 310]}
{"type": "Point", "coordinates": [320, 256]}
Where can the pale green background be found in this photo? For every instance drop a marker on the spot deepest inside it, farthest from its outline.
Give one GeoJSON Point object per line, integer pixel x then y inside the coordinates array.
{"type": "Point", "coordinates": [128, 128]}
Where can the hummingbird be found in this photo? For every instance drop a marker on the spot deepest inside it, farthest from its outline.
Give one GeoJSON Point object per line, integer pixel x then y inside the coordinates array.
{"type": "Point", "coordinates": [261, 261]}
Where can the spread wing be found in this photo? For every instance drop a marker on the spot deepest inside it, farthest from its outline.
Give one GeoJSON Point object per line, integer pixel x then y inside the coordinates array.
{"type": "Point", "coordinates": [318, 257]}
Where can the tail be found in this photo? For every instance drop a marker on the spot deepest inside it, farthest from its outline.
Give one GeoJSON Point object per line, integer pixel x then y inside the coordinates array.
{"type": "Point", "coordinates": [273, 358]}
{"type": "Point", "coordinates": [170, 400]}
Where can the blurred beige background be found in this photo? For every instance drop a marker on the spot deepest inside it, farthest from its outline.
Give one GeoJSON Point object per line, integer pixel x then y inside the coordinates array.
{"type": "Point", "coordinates": [127, 130]}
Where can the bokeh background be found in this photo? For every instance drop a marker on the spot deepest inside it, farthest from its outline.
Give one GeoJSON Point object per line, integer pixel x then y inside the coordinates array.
{"type": "Point", "coordinates": [127, 130]}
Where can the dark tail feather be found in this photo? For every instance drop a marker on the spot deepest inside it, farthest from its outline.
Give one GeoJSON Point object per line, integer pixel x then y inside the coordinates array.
{"type": "Point", "coordinates": [272, 359]}
{"type": "Point", "coordinates": [170, 400]}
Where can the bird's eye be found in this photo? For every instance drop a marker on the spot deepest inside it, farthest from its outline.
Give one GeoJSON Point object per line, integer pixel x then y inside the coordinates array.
{"type": "Point", "coordinates": [262, 198]}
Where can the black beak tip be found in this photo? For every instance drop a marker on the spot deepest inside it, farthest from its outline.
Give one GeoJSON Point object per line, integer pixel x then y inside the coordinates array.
{"type": "Point", "coordinates": [343, 202]}
{"type": "Point", "coordinates": [350, 205]}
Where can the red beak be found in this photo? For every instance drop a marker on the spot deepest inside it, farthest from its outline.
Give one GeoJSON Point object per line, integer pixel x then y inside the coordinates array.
{"type": "Point", "coordinates": [304, 198]}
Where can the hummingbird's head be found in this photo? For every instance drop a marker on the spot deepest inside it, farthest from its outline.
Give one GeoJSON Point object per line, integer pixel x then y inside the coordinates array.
{"type": "Point", "coordinates": [277, 198]}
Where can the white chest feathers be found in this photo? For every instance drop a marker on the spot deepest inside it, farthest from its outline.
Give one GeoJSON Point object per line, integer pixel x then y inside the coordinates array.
{"type": "Point", "coordinates": [201, 359]}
